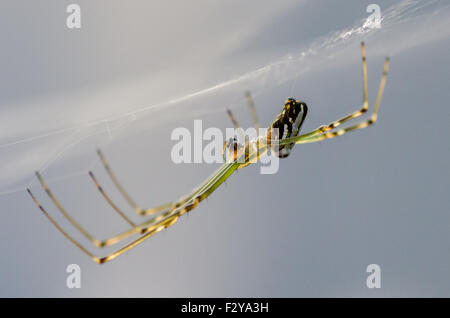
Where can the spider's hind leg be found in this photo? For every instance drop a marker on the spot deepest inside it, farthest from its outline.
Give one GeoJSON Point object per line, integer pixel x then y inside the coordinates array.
{"type": "Point", "coordinates": [139, 210]}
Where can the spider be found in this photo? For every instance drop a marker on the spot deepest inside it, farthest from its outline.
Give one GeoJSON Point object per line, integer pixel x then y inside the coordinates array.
{"type": "Point", "coordinates": [288, 124]}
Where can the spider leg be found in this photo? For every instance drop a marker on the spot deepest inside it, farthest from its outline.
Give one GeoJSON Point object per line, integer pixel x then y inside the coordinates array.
{"type": "Point", "coordinates": [218, 179]}
{"type": "Point", "coordinates": [110, 202]}
{"type": "Point", "coordinates": [313, 137]}
{"type": "Point", "coordinates": [126, 196]}
{"type": "Point", "coordinates": [141, 228]}
{"type": "Point", "coordinates": [233, 119]}
{"type": "Point", "coordinates": [163, 221]}
{"type": "Point", "coordinates": [138, 229]}
{"type": "Point", "coordinates": [251, 106]}
{"type": "Point", "coordinates": [324, 128]}
{"type": "Point", "coordinates": [96, 259]}
{"type": "Point", "coordinates": [365, 105]}
{"type": "Point", "coordinates": [80, 228]}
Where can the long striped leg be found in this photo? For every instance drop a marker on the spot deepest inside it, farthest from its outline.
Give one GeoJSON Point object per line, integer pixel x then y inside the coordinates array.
{"type": "Point", "coordinates": [233, 119]}
{"type": "Point", "coordinates": [163, 208]}
{"type": "Point", "coordinates": [125, 194]}
{"type": "Point", "coordinates": [98, 243]}
{"type": "Point", "coordinates": [76, 243]}
{"type": "Point", "coordinates": [251, 106]}
{"type": "Point", "coordinates": [226, 172]}
{"type": "Point", "coordinates": [99, 260]}
{"type": "Point", "coordinates": [91, 238]}
{"type": "Point", "coordinates": [110, 202]}
{"type": "Point", "coordinates": [324, 128]}
{"type": "Point", "coordinates": [164, 221]}
{"type": "Point", "coordinates": [141, 228]}
{"type": "Point", "coordinates": [309, 138]}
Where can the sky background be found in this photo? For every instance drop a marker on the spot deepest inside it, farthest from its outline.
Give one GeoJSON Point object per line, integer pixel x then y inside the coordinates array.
{"type": "Point", "coordinates": [141, 69]}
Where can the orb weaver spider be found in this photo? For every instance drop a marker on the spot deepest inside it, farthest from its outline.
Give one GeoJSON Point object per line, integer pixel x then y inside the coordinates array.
{"type": "Point", "coordinates": [288, 123]}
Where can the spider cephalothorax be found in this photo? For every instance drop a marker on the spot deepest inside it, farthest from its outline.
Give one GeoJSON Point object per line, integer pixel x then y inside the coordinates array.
{"type": "Point", "coordinates": [286, 125]}
{"type": "Point", "coordinates": [232, 150]}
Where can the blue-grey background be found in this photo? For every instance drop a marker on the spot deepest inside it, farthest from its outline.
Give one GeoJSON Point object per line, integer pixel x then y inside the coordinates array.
{"type": "Point", "coordinates": [379, 195]}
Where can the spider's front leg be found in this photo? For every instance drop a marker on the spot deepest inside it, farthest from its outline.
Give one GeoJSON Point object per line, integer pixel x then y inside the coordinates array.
{"type": "Point", "coordinates": [323, 132]}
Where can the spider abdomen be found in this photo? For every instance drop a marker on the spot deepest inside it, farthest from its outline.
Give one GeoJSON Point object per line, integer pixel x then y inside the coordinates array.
{"type": "Point", "coordinates": [287, 124]}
